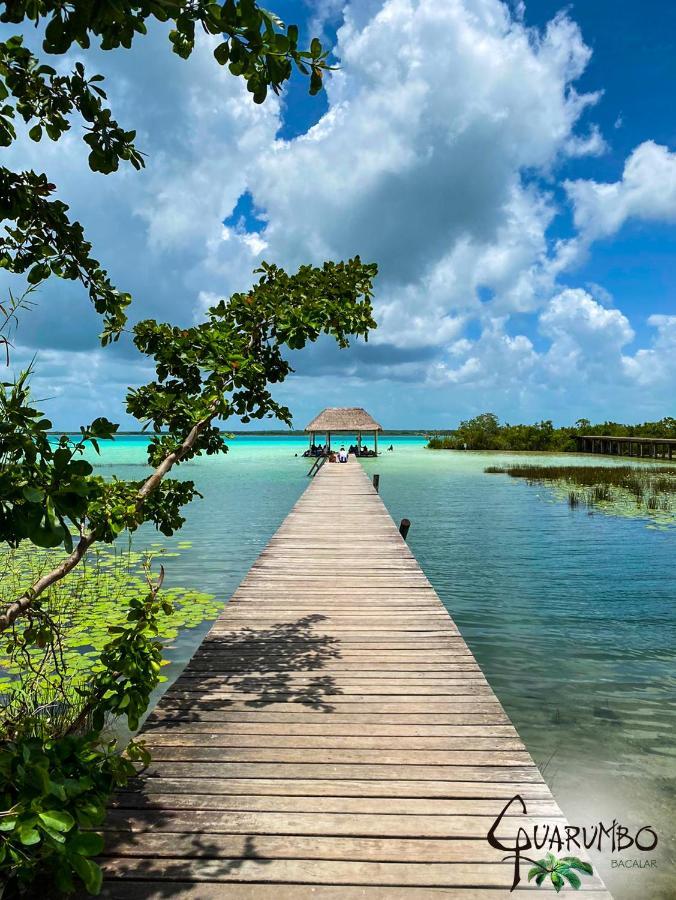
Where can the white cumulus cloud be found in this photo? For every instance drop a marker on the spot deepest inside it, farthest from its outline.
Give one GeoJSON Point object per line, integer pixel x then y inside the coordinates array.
{"type": "Point", "coordinates": [646, 191]}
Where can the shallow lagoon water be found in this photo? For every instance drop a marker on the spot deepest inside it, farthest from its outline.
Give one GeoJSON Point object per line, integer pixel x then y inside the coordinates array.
{"type": "Point", "coordinates": [570, 614]}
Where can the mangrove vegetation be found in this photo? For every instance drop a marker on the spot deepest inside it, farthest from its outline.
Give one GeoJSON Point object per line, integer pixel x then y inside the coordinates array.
{"type": "Point", "coordinates": [485, 432]}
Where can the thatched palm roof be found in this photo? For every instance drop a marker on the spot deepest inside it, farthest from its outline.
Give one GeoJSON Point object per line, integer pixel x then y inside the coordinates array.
{"type": "Point", "coordinates": [343, 418]}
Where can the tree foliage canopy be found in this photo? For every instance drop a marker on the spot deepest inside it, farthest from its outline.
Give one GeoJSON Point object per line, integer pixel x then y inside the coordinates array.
{"type": "Point", "coordinates": [40, 240]}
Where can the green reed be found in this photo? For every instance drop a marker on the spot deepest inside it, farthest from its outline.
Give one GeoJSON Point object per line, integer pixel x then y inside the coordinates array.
{"type": "Point", "coordinates": [649, 488]}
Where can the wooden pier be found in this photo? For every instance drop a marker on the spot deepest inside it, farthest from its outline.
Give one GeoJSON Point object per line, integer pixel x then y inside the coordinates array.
{"type": "Point", "coordinates": [332, 738]}
{"type": "Point", "coordinates": [643, 447]}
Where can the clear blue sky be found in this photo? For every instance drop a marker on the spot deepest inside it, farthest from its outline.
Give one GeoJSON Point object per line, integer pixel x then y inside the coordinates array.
{"type": "Point", "coordinates": [511, 168]}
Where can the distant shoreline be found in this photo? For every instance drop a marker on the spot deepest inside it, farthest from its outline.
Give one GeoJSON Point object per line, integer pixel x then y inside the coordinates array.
{"type": "Point", "coordinates": [387, 432]}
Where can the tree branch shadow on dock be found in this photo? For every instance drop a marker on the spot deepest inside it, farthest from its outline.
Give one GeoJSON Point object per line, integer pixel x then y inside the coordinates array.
{"type": "Point", "coordinates": [264, 662]}
{"type": "Point", "coordinates": [197, 848]}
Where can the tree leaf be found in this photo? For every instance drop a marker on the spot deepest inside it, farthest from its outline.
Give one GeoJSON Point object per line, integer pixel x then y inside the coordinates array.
{"type": "Point", "coordinates": [578, 864]}
{"type": "Point", "coordinates": [88, 871]}
{"type": "Point", "coordinates": [557, 881]}
{"type": "Point", "coordinates": [32, 494]}
{"type": "Point", "coordinates": [534, 872]}
{"type": "Point", "coordinates": [222, 53]}
{"type": "Point", "coordinates": [87, 843]}
{"type": "Point", "coordinates": [29, 835]}
{"type": "Point", "coordinates": [572, 878]}
{"type": "Point", "coordinates": [57, 819]}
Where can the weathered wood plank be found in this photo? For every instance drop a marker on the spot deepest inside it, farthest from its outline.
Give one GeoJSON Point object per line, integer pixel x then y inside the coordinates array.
{"type": "Point", "coordinates": [329, 872]}
{"type": "Point", "coordinates": [168, 724]}
{"type": "Point", "coordinates": [351, 743]}
{"type": "Point", "coordinates": [337, 756]}
{"type": "Point", "coordinates": [190, 890]}
{"type": "Point", "coordinates": [328, 804]}
{"type": "Point", "coordinates": [295, 713]}
{"type": "Point", "coordinates": [328, 787]}
{"type": "Point", "coordinates": [509, 773]}
{"type": "Point", "coordinates": [211, 822]}
{"type": "Point", "coordinates": [272, 846]}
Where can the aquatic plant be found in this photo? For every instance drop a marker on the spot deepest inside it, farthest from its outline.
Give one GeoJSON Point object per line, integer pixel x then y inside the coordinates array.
{"type": "Point", "coordinates": [611, 487]}
{"type": "Point", "coordinates": [602, 493]}
{"type": "Point", "coordinates": [83, 608]}
{"type": "Point", "coordinates": [632, 477]}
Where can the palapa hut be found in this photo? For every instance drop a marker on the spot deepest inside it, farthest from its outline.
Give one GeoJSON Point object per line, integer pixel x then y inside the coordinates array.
{"type": "Point", "coordinates": [344, 420]}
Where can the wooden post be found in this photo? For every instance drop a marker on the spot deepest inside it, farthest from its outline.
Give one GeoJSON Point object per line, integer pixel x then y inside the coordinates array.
{"type": "Point", "coordinates": [328, 440]}
{"type": "Point", "coordinates": [404, 525]}
{"type": "Point", "coordinates": [312, 439]}
{"type": "Point", "coordinates": [376, 482]}
{"type": "Point", "coordinates": [375, 438]}
{"type": "Point", "coordinates": [359, 444]}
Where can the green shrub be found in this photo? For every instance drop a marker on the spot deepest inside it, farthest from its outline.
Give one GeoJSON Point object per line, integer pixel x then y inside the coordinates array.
{"type": "Point", "coordinates": [53, 792]}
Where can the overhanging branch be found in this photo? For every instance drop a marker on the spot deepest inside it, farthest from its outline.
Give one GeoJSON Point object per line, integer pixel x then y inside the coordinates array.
{"type": "Point", "coordinates": [20, 606]}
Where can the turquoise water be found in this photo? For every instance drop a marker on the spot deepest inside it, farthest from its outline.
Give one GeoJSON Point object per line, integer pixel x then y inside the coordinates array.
{"type": "Point", "coordinates": [570, 615]}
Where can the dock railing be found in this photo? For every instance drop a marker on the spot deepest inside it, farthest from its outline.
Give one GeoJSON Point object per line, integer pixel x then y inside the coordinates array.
{"type": "Point", "coordinates": [316, 466]}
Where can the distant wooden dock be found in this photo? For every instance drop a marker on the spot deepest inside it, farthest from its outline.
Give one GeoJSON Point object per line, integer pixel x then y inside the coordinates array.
{"type": "Point", "coordinates": [332, 738]}
{"type": "Point", "coordinates": [643, 447]}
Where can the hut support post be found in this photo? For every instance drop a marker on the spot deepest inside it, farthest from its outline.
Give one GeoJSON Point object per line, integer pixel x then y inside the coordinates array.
{"type": "Point", "coordinates": [375, 440]}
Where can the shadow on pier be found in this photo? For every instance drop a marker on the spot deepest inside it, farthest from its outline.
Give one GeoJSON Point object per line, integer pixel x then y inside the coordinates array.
{"type": "Point", "coordinates": [262, 665]}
